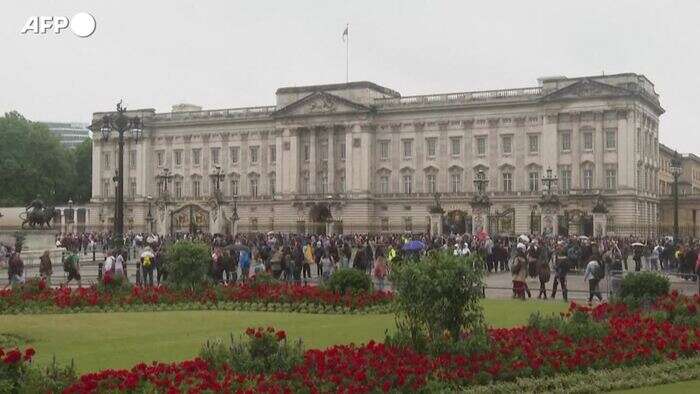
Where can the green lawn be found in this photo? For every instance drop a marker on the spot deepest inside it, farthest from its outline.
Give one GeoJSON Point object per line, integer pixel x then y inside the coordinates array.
{"type": "Point", "coordinates": [119, 340]}
{"type": "Point", "coordinates": [691, 386]}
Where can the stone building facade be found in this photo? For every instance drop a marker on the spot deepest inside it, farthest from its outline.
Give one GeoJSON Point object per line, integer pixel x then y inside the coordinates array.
{"type": "Point", "coordinates": [359, 157]}
{"type": "Point", "coordinates": [688, 193]}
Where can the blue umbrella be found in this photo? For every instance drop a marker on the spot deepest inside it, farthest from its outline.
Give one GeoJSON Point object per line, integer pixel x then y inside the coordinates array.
{"type": "Point", "coordinates": [413, 246]}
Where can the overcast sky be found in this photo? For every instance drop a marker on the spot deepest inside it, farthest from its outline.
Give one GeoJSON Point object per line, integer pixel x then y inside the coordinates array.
{"type": "Point", "coordinates": [222, 54]}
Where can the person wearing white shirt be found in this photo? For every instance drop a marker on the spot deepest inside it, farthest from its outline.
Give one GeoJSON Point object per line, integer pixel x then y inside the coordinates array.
{"type": "Point", "coordinates": [593, 276]}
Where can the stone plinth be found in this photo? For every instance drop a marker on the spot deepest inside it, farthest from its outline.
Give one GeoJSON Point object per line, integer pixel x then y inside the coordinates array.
{"type": "Point", "coordinates": [436, 223]}
{"type": "Point", "coordinates": [600, 224]}
{"type": "Point", "coordinates": [35, 243]}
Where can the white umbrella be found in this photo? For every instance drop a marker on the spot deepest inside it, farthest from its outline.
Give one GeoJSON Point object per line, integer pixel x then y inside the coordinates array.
{"type": "Point", "coordinates": [582, 237]}
{"type": "Point", "coordinates": [524, 238]}
{"type": "Point", "coordinates": [637, 244]}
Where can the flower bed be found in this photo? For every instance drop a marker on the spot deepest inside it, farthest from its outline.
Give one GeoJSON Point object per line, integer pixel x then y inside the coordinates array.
{"type": "Point", "coordinates": [37, 298]}
{"type": "Point", "coordinates": [632, 339]}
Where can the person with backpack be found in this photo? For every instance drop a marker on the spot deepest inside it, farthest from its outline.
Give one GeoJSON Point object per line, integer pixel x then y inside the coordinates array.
{"type": "Point", "coordinates": [147, 265]}
{"type": "Point", "coordinates": [15, 268]}
{"type": "Point", "coordinates": [45, 267]}
{"type": "Point", "coordinates": [519, 271]}
{"type": "Point", "coordinates": [594, 273]}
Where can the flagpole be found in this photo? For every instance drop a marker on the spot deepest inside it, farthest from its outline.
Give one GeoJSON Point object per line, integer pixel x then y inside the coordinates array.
{"type": "Point", "coordinates": [347, 54]}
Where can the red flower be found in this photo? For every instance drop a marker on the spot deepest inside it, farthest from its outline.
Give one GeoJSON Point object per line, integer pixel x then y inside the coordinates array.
{"type": "Point", "coordinates": [281, 335]}
{"type": "Point", "coordinates": [28, 354]}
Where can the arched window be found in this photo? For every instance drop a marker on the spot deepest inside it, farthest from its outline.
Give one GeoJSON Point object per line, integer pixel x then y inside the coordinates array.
{"type": "Point", "coordinates": [587, 176]}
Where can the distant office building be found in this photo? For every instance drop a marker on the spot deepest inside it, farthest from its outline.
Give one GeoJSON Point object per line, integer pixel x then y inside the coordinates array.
{"type": "Point", "coordinates": [70, 134]}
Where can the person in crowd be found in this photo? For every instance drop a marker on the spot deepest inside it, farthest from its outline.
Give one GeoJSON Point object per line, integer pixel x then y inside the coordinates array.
{"type": "Point", "coordinates": [147, 262]}
{"type": "Point", "coordinates": [45, 267]}
{"type": "Point", "coordinates": [561, 269]}
{"type": "Point", "coordinates": [71, 265]}
{"type": "Point", "coordinates": [308, 260]}
{"type": "Point", "coordinates": [543, 272]}
{"type": "Point", "coordinates": [244, 261]}
{"type": "Point", "coordinates": [594, 273]}
{"type": "Point", "coordinates": [519, 271]}
{"type": "Point", "coordinates": [229, 263]}
{"type": "Point", "coordinates": [637, 257]}
{"type": "Point", "coordinates": [380, 270]}
{"type": "Point", "coordinates": [327, 264]}
{"type": "Point", "coordinates": [161, 267]}
{"type": "Point", "coordinates": [15, 268]}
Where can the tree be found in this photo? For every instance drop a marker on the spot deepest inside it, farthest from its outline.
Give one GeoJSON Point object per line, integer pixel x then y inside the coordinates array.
{"type": "Point", "coordinates": [33, 162]}
{"type": "Point", "coordinates": [82, 162]}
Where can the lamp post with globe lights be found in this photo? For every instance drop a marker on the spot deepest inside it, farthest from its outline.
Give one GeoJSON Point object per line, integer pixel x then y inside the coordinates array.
{"type": "Point", "coordinates": [119, 123]}
{"type": "Point", "coordinates": [676, 171]}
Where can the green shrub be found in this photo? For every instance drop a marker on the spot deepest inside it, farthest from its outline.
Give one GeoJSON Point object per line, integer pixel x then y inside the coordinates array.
{"type": "Point", "coordinates": [259, 351]}
{"type": "Point", "coordinates": [50, 379]}
{"type": "Point", "coordinates": [643, 286]}
{"type": "Point", "coordinates": [188, 264]}
{"type": "Point", "coordinates": [113, 284]}
{"type": "Point", "coordinates": [349, 280]}
{"type": "Point", "coordinates": [438, 297]}
{"type": "Point", "coordinates": [578, 325]}
{"type": "Point", "coordinates": [262, 278]}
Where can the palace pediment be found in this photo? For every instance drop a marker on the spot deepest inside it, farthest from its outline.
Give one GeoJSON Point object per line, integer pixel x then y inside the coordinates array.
{"type": "Point", "coordinates": [321, 103]}
{"type": "Point", "coordinates": [586, 88]}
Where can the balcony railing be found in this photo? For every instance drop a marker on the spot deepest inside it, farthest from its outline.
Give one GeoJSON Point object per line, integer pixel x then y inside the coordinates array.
{"type": "Point", "coordinates": [459, 98]}
{"type": "Point", "coordinates": [230, 113]}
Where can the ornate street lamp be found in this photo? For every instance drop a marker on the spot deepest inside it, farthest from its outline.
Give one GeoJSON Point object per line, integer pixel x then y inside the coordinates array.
{"type": "Point", "coordinates": [163, 180]}
{"type": "Point", "coordinates": [119, 123]}
{"type": "Point", "coordinates": [676, 171]}
{"type": "Point", "coordinates": [149, 215]}
{"type": "Point", "coordinates": [480, 182]}
{"type": "Point", "coordinates": [234, 214]}
{"type": "Point", "coordinates": [69, 215]}
{"type": "Point", "coordinates": [218, 177]}
{"type": "Point", "coordinates": [549, 180]}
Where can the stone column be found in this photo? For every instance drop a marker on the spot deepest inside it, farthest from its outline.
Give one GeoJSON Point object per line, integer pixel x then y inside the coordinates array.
{"type": "Point", "coordinates": [313, 159]}
{"type": "Point", "coordinates": [288, 159]}
{"type": "Point", "coordinates": [330, 132]}
{"type": "Point", "coordinates": [549, 211]}
{"type": "Point", "coordinates": [436, 222]}
{"type": "Point", "coordinates": [480, 218]}
{"type": "Point", "coordinates": [349, 160]}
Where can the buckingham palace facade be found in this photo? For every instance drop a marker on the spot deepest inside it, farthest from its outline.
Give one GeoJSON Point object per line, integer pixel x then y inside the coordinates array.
{"type": "Point", "coordinates": [359, 157]}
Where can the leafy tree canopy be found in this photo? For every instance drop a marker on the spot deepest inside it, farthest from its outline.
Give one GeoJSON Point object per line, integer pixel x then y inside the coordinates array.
{"type": "Point", "coordinates": [33, 162]}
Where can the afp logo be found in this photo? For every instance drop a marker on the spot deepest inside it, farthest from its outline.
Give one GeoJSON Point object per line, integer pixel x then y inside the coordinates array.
{"type": "Point", "coordinates": [81, 24]}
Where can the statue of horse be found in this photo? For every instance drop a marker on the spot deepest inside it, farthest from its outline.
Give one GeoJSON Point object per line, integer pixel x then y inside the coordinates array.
{"type": "Point", "coordinates": [39, 217]}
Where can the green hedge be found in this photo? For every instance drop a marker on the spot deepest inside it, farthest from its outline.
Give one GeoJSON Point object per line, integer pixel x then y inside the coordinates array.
{"type": "Point", "coordinates": [197, 306]}
{"type": "Point", "coordinates": [594, 381]}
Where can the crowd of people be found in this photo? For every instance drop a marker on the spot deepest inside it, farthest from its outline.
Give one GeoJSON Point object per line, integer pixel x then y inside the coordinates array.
{"type": "Point", "coordinates": [291, 257]}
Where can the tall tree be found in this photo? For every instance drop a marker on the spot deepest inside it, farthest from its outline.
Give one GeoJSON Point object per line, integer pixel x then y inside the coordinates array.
{"type": "Point", "coordinates": [34, 163]}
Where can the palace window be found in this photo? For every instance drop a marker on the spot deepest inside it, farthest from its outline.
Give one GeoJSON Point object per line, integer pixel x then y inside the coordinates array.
{"type": "Point", "coordinates": [407, 149]}
{"type": "Point", "coordinates": [132, 159]}
{"type": "Point", "coordinates": [507, 181]}
{"type": "Point", "coordinates": [408, 224]}
{"type": "Point", "coordinates": [178, 189]}
{"type": "Point", "coordinates": [385, 224]}
{"type": "Point", "coordinates": [234, 187]}
{"type": "Point", "coordinates": [431, 144]}
{"type": "Point", "coordinates": [307, 153]}
{"type": "Point", "coordinates": [254, 150]}
{"type": "Point", "coordinates": [324, 152]}
{"type": "Point", "coordinates": [384, 184]}
{"type": "Point", "coordinates": [588, 140]}
{"type": "Point", "coordinates": [273, 185]}
{"type": "Point", "coordinates": [431, 182]}
{"type": "Point", "coordinates": [132, 187]}
{"type": "Point", "coordinates": [610, 139]}
{"type": "Point", "coordinates": [407, 184]}
{"type": "Point", "coordinates": [507, 144]}
{"type": "Point", "coordinates": [566, 141]}
{"type": "Point", "coordinates": [456, 182]}
{"type": "Point", "coordinates": [481, 146]}
{"type": "Point", "coordinates": [323, 185]}
{"type": "Point", "coordinates": [160, 158]}
{"type": "Point", "coordinates": [273, 154]}
{"type": "Point", "coordinates": [565, 178]}
{"type": "Point", "coordinates": [196, 156]}
{"type": "Point", "coordinates": [235, 154]}
{"type": "Point", "coordinates": [456, 146]}
{"type": "Point", "coordinates": [342, 151]}
{"type": "Point", "coordinates": [341, 184]}
{"type": "Point", "coordinates": [196, 188]}
{"type": "Point", "coordinates": [533, 178]}
{"type": "Point", "coordinates": [611, 178]}
{"type": "Point", "coordinates": [178, 157]}
{"type": "Point", "coordinates": [533, 143]}
{"type": "Point", "coordinates": [106, 187]}
{"type": "Point", "coordinates": [383, 150]}
{"type": "Point", "coordinates": [214, 156]}
{"type": "Point", "coordinates": [254, 187]}
{"type": "Point", "coordinates": [587, 177]}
